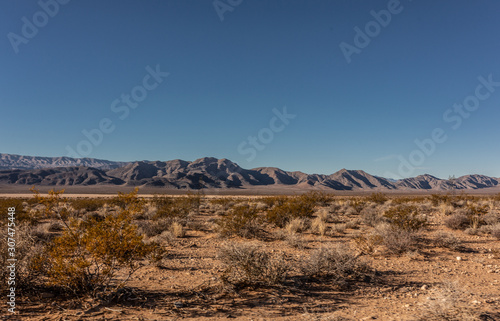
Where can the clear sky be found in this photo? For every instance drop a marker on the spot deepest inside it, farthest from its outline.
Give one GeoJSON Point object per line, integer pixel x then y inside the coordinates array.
{"type": "Point", "coordinates": [363, 85]}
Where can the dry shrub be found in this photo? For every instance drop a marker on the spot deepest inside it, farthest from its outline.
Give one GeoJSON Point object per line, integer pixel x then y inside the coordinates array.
{"type": "Point", "coordinates": [377, 198]}
{"type": "Point", "coordinates": [335, 263]}
{"type": "Point", "coordinates": [437, 199]}
{"type": "Point", "coordinates": [296, 225]}
{"type": "Point", "coordinates": [270, 201]}
{"type": "Point", "coordinates": [457, 221]}
{"type": "Point", "coordinates": [367, 243]}
{"type": "Point", "coordinates": [407, 199]}
{"type": "Point", "coordinates": [87, 204]}
{"type": "Point", "coordinates": [356, 205]}
{"type": "Point", "coordinates": [472, 216]}
{"type": "Point", "coordinates": [41, 232]}
{"type": "Point", "coordinates": [371, 216]}
{"type": "Point", "coordinates": [446, 209]}
{"type": "Point", "coordinates": [225, 202]}
{"type": "Point", "coordinates": [492, 218]}
{"type": "Point", "coordinates": [449, 241]}
{"type": "Point", "coordinates": [295, 241]}
{"type": "Point", "coordinates": [319, 226]}
{"type": "Point", "coordinates": [245, 264]}
{"type": "Point", "coordinates": [396, 240]}
{"type": "Point", "coordinates": [28, 249]}
{"type": "Point", "coordinates": [317, 198]}
{"type": "Point", "coordinates": [495, 231]}
{"type": "Point", "coordinates": [339, 228]}
{"type": "Point", "coordinates": [152, 228]}
{"type": "Point", "coordinates": [405, 217]}
{"type": "Point", "coordinates": [476, 214]}
{"type": "Point", "coordinates": [177, 230]}
{"type": "Point", "coordinates": [242, 220]}
{"type": "Point", "coordinates": [447, 303]}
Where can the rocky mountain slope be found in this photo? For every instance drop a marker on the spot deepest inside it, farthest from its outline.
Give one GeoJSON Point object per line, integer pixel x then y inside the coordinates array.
{"type": "Point", "coordinates": [208, 172]}
{"type": "Point", "coordinates": [10, 161]}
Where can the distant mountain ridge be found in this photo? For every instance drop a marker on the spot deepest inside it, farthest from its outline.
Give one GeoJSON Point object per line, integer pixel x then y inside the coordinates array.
{"type": "Point", "coordinates": [10, 161]}
{"type": "Point", "coordinates": [208, 172]}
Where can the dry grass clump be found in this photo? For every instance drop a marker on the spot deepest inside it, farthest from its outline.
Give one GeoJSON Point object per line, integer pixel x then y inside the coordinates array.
{"type": "Point", "coordinates": [297, 225]}
{"type": "Point", "coordinates": [395, 240]}
{"type": "Point", "coordinates": [446, 303]}
{"type": "Point", "coordinates": [449, 241]}
{"type": "Point", "coordinates": [335, 263]}
{"type": "Point", "coordinates": [242, 220]}
{"type": "Point", "coordinates": [177, 229]}
{"type": "Point", "coordinates": [319, 223]}
{"type": "Point", "coordinates": [245, 264]}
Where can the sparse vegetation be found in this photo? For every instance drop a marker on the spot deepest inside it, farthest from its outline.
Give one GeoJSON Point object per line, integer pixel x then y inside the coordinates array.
{"type": "Point", "coordinates": [97, 248]}
{"type": "Point", "coordinates": [247, 265]}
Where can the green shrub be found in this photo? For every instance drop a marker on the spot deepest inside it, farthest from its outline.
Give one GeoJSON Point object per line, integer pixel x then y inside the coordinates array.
{"type": "Point", "coordinates": [129, 202]}
{"type": "Point", "coordinates": [242, 220]}
{"type": "Point", "coordinates": [294, 207]}
{"type": "Point", "coordinates": [87, 257]}
{"type": "Point", "coordinates": [405, 217]}
{"type": "Point", "coordinates": [22, 214]}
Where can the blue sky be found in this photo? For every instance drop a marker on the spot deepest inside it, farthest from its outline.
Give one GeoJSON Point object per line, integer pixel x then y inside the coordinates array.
{"type": "Point", "coordinates": [228, 78]}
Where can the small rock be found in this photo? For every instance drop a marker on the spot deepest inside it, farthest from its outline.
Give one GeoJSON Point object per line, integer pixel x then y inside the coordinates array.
{"type": "Point", "coordinates": [178, 304]}
{"type": "Point", "coordinates": [476, 302]}
{"type": "Point", "coordinates": [459, 258]}
{"type": "Point", "coordinates": [424, 287]}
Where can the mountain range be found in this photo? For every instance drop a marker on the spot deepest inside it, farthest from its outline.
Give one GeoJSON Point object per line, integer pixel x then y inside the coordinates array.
{"type": "Point", "coordinates": [207, 172]}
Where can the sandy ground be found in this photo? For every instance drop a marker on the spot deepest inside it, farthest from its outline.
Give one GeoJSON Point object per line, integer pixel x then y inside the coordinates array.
{"type": "Point", "coordinates": [188, 286]}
